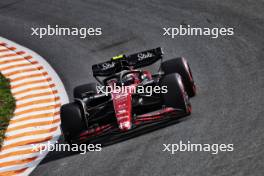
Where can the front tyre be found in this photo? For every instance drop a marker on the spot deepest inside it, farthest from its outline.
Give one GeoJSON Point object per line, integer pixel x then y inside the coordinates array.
{"type": "Point", "coordinates": [72, 123]}
{"type": "Point", "coordinates": [176, 95]}
{"type": "Point", "coordinates": [181, 66]}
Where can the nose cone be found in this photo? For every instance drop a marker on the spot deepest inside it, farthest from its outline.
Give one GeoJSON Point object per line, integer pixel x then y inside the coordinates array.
{"type": "Point", "coordinates": [125, 126]}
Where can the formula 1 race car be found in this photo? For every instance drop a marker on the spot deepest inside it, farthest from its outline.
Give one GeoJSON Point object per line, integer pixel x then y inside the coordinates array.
{"type": "Point", "coordinates": [127, 97]}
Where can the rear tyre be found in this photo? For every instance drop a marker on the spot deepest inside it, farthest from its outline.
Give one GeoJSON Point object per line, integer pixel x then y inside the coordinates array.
{"type": "Point", "coordinates": [72, 123]}
{"type": "Point", "coordinates": [176, 95]}
{"type": "Point", "coordinates": [181, 66]}
{"type": "Point", "coordinates": [81, 91]}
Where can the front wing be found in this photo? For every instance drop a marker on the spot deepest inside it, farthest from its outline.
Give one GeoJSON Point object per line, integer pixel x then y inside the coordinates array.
{"type": "Point", "coordinates": [141, 124]}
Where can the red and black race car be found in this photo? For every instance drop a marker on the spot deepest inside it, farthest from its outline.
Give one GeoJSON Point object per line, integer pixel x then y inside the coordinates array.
{"type": "Point", "coordinates": [127, 97]}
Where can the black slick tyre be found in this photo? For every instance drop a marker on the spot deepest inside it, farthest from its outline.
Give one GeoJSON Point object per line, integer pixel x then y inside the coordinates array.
{"type": "Point", "coordinates": [176, 95]}
{"type": "Point", "coordinates": [72, 123]}
{"type": "Point", "coordinates": [81, 91]}
{"type": "Point", "coordinates": [181, 66]}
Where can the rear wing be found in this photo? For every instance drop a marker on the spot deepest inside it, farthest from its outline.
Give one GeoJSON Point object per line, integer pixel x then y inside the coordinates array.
{"type": "Point", "coordinates": [121, 62]}
{"type": "Point", "coordinates": [145, 58]}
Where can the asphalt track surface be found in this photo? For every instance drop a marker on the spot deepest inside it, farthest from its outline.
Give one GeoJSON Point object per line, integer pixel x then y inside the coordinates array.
{"type": "Point", "coordinates": [229, 72]}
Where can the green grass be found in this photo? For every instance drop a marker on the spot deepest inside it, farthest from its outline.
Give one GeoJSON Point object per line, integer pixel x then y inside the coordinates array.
{"type": "Point", "coordinates": [7, 106]}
